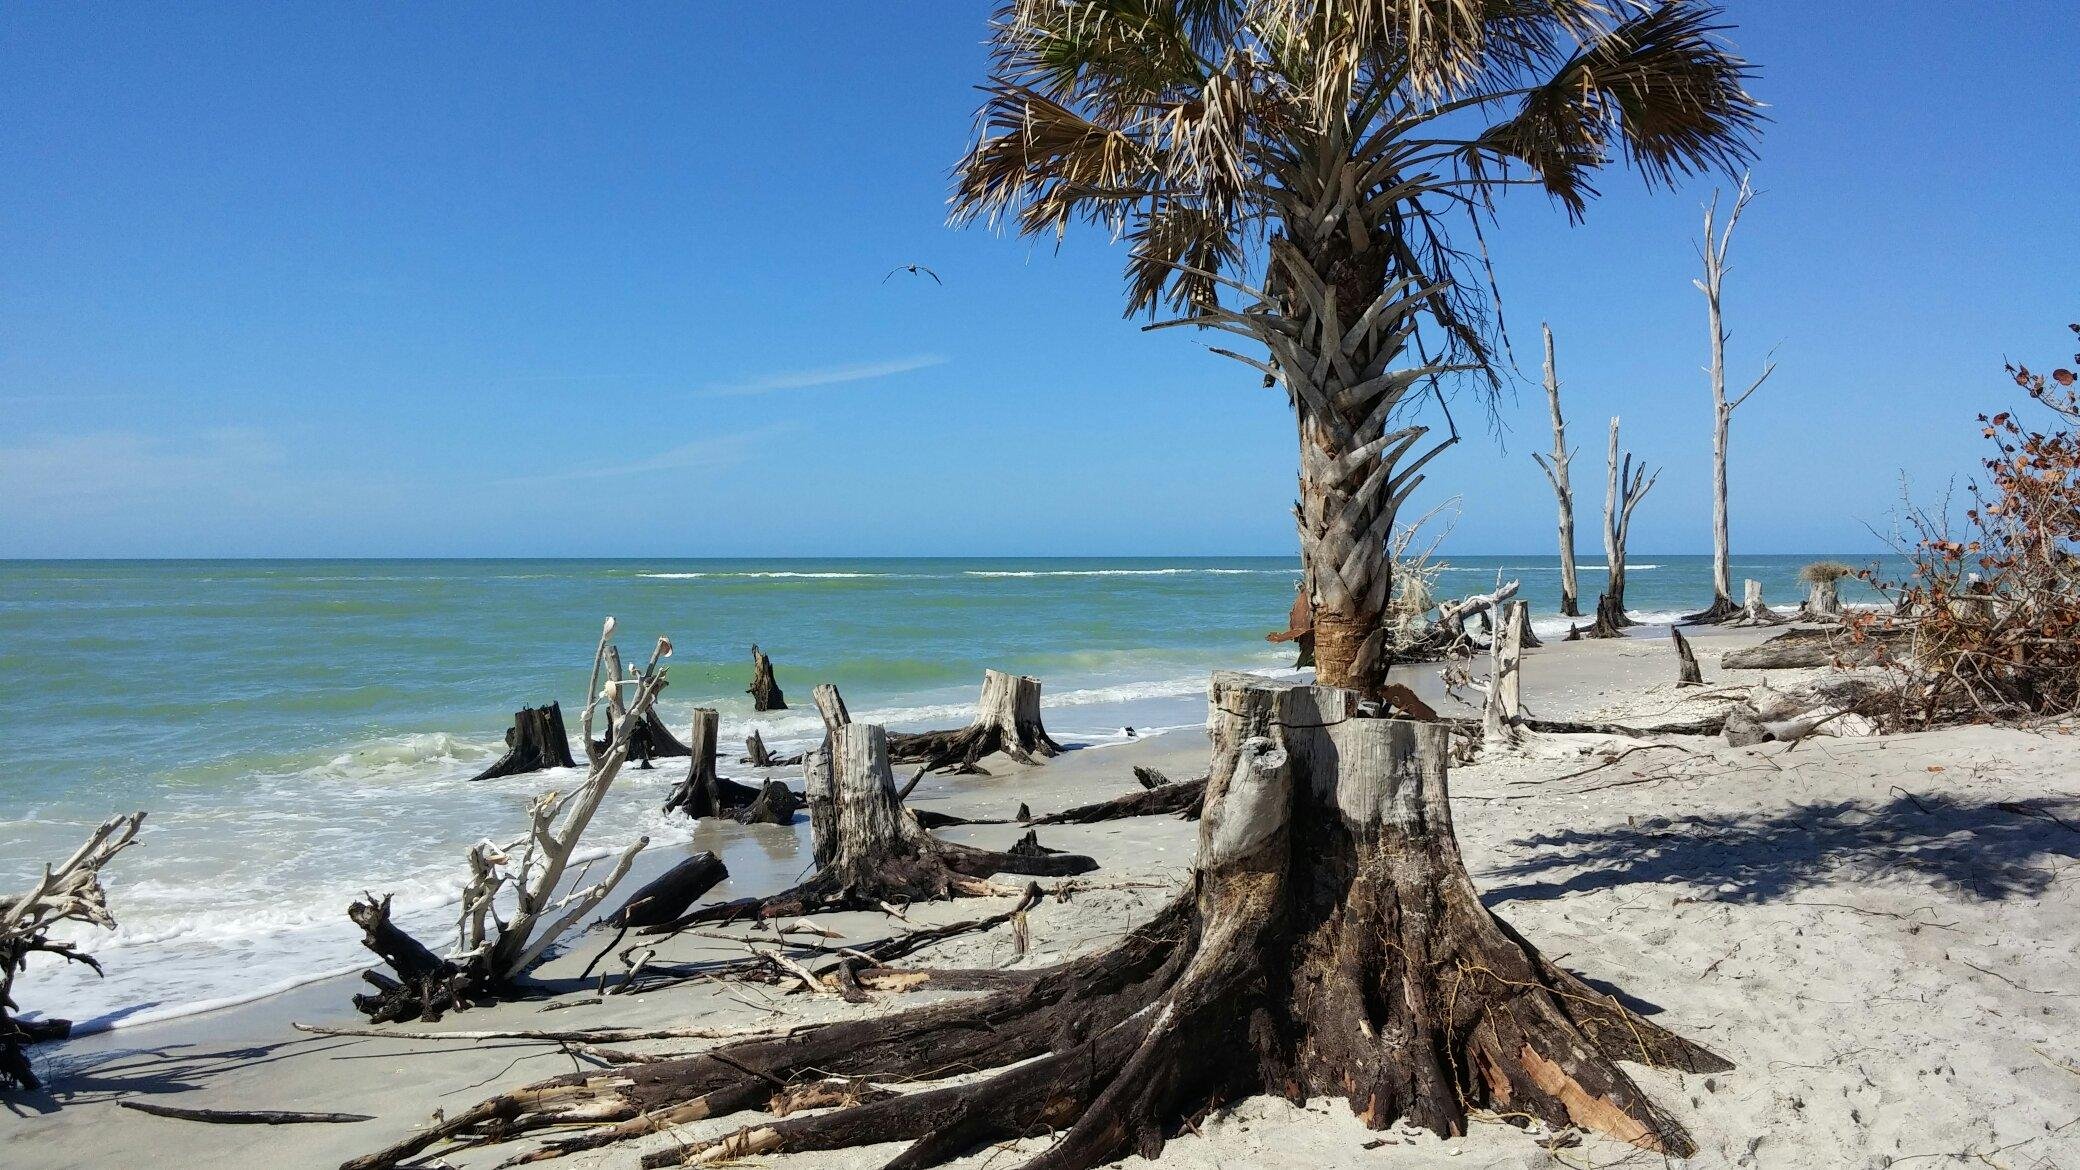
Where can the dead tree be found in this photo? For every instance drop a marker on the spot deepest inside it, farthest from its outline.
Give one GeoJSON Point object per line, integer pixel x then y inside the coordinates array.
{"type": "Point", "coordinates": [1330, 944]}
{"type": "Point", "coordinates": [1504, 704]}
{"type": "Point", "coordinates": [511, 909]}
{"type": "Point", "coordinates": [1687, 673]}
{"type": "Point", "coordinates": [536, 742]}
{"type": "Point", "coordinates": [66, 893]}
{"type": "Point", "coordinates": [1007, 720]}
{"type": "Point", "coordinates": [1520, 615]}
{"type": "Point", "coordinates": [765, 693]}
{"type": "Point", "coordinates": [878, 851]}
{"type": "Point", "coordinates": [1624, 487]}
{"type": "Point", "coordinates": [1563, 492]}
{"type": "Point", "coordinates": [1823, 591]}
{"type": "Point", "coordinates": [1714, 252]}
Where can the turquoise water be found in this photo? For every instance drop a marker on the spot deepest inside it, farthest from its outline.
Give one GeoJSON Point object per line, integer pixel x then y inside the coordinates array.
{"type": "Point", "coordinates": [301, 730]}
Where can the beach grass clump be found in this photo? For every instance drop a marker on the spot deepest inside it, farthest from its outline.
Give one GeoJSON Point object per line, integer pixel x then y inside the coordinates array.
{"type": "Point", "coordinates": [1825, 572]}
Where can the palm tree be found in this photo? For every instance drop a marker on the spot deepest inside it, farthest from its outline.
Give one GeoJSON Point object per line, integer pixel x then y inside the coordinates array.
{"type": "Point", "coordinates": [1296, 172]}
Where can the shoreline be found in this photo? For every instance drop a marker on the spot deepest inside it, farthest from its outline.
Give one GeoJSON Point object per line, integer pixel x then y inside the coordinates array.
{"type": "Point", "coordinates": [1881, 977]}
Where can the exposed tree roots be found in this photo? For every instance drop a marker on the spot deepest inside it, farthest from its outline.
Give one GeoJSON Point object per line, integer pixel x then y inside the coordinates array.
{"type": "Point", "coordinates": [1007, 720]}
{"type": "Point", "coordinates": [1331, 944]}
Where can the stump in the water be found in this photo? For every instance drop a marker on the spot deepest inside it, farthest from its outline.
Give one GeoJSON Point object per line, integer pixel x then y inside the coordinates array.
{"type": "Point", "coordinates": [704, 793]}
{"type": "Point", "coordinates": [878, 851]}
{"type": "Point", "coordinates": [1007, 720]}
{"type": "Point", "coordinates": [1331, 944]}
{"type": "Point", "coordinates": [775, 804]}
{"type": "Point", "coordinates": [1687, 673]}
{"type": "Point", "coordinates": [756, 753]}
{"type": "Point", "coordinates": [535, 743]}
{"type": "Point", "coordinates": [765, 693]}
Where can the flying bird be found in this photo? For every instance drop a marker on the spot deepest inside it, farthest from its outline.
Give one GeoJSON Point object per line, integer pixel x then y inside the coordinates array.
{"type": "Point", "coordinates": [912, 269]}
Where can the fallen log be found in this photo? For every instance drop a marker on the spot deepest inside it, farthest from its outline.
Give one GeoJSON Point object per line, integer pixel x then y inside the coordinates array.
{"type": "Point", "coordinates": [667, 895]}
{"type": "Point", "coordinates": [1181, 798]}
{"type": "Point", "coordinates": [1811, 648]}
{"type": "Point", "coordinates": [244, 1116]}
{"type": "Point", "coordinates": [1007, 720]}
{"type": "Point", "coordinates": [536, 742]}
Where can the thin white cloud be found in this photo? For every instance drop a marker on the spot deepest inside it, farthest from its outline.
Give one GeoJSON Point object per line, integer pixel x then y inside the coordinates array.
{"type": "Point", "coordinates": [713, 453]}
{"type": "Point", "coordinates": [829, 376]}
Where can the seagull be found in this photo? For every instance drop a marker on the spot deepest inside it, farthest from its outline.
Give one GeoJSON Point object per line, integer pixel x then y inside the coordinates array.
{"type": "Point", "coordinates": [912, 269]}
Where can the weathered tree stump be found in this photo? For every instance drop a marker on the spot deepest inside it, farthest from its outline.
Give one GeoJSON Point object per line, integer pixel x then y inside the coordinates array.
{"type": "Point", "coordinates": [1520, 617]}
{"type": "Point", "coordinates": [1007, 720]}
{"type": "Point", "coordinates": [1610, 618]}
{"type": "Point", "coordinates": [765, 693]}
{"type": "Point", "coordinates": [1687, 673]}
{"type": "Point", "coordinates": [1823, 602]}
{"type": "Point", "coordinates": [428, 986]}
{"type": "Point", "coordinates": [1330, 944]}
{"type": "Point", "coordinates": [536, 742]}
{"type": "Point", "coordinates": [667, 895]}
{"type": "Point", "coordinates": [1753, 611]}
{"type": "Point", "coordinates": [704, 793]}
{"type": "Point", "coordinates": [879, 852]}
{"type": "Point", "coordinates": [1504, 706]}
{"type": "Point", "coordinates": [756, 754]}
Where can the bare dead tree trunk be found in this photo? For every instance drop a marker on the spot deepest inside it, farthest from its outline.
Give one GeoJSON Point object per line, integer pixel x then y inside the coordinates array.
{"type": "Point", "coordinates": [1563, 492]}
{"type": "Point", "coordinates": [1331, 944]}
{"type": "Point", "coordinates": [764, 691]}
{"type": "Point", "coordinates": [1520, 616]}
{"type": "Point", "coordinates": [1624, 487]}
{"type": "Point", "coordinates": [700, 793]}
{"type": "Point", "coordinates": [536, 742]}
{"type": "Point", "coordinates": [1714, 252]}
{"type": "Point", "coordinates": [1505, 686]}
{"type": "Point", "coordinates": [1007, 720]}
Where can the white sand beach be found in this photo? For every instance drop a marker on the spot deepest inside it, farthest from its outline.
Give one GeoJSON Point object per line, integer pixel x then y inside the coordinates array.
{"type": "Point", "coordinates": [1879, 933]}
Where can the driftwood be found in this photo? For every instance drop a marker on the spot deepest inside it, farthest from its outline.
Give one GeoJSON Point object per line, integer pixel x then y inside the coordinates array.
{"type": "Point", "coordinates": [244, 1116]}
{"type": "Point", "coordinates": [1331, 943]}
{"type": "Point", "coordinates": [880, 852]}
{"type": "Point", "coordinates": [1811, 648]}
{"type": "Point", "coordinates": [495, 946]}
{"type": "Point", "coordinates": [1007, 720]}
{"type": "Point", "coordinates": [67, 893]}
{"type": "Point", "coordinates": [764, 691]}
{"type": "Point", "coordinates": [756, 754]}
{"type": "Point", "coordinates": [1687, 673]}
{"type": "Point", "coordinates": [535, 742]}
{"type": "Point", "coordinates": [1181, 798]}
{"type": "Point", "coordinates": [652, 739]}
{"type": "Point", "coordinates": [667, 895]}
{"type": "Point", "coordinates": [1504, 706]}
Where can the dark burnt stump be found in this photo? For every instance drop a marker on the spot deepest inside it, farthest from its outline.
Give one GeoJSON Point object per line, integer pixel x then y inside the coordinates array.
{"type": "Point", "coordinates": [536, 742]}
{"type": "Point", "coordinates": [764, 691]}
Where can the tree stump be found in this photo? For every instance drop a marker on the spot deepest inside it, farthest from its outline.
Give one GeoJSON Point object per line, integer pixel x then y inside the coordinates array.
{"type": "Point", "coordinates": [765, 693]}
{"type": "Point", "coordinates": [1610, 618]}
{"type": "Point", "coordinates": [1687, 673]}
{"type": "Point", "coordinates": [1520, 617]}
{"type": "Point", "coordinates": [704, 793]}
{"type": "Point", "coordinates": [877, 849]}
{"type": "Point", "coordinates": [1505, 685]}
{"type": "Point", "coordinates": [1823, 602]}
{"type": "Point", "coordinates": [1753, 611]}
{"type": "Point", "coordinates": [1007, 720]}
{"type": "Point", "coordinates": [536, 742]}
{"type": "Point", "coordinates": [755, 753]}
{"type": "Point", "coordinates": [1330, 944]}
{"type": "Point", "coordinates": [775, 804]}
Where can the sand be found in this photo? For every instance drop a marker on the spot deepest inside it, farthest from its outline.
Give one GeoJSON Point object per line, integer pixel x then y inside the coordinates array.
{"type": "Point", "coordinates": [1879, 933]}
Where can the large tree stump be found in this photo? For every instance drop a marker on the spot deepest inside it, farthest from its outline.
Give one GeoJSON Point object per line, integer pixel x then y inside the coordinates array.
{"type": "Point", "coordinates": [536, 742]}
{"type": "Point", "coordinates": [1753, 611]}
{"type": "Point", "coordinates": [1007, 720]}
{"type": "Point", "coordinates": [1330, 944]}
{"type": "Point", "coordinates": [1610, 618]}
{"type": "Point", "coordinates": [878, 851]}
{"type": "Point", "coordinates": [764, 691]}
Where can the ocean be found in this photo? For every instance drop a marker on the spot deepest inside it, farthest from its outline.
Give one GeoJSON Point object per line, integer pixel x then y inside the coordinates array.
{"type": "Point", "coordinates": [301, 731]}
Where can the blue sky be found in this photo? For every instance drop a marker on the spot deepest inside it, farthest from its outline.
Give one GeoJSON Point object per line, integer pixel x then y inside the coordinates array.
{"type": "Point", "coordinates": [609, 280]}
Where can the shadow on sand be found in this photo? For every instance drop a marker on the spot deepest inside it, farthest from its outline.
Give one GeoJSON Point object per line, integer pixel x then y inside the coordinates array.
{"type": "Point", "coordinates": [1987, 850]}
